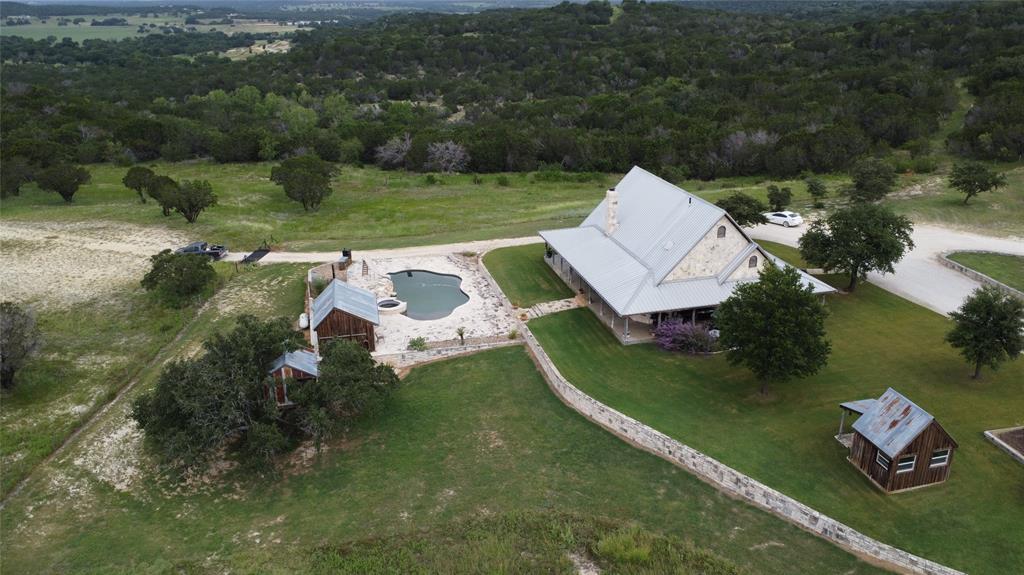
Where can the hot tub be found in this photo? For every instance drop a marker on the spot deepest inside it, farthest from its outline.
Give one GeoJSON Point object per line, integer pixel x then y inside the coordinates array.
{"type": "Point", "coordinates": [391, 306]}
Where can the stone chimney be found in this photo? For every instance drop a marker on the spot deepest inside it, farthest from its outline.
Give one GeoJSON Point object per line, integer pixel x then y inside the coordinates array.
{"type": "Point", "coordinates": [611, 217]}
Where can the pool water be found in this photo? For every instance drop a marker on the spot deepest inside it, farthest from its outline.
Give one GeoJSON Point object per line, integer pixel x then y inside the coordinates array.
{"type": "Point", "coordinates": [429, 295]}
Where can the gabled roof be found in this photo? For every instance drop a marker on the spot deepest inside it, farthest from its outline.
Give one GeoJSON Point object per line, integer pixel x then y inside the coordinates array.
{"type": "Point", "coordinates": [302, 360]}
{"type": "Point", "coordinates": [349, 299]}
{"type": "Point", "coordinates": [892, 422]}
{"type": "Point", "coordinates": [659, 224]}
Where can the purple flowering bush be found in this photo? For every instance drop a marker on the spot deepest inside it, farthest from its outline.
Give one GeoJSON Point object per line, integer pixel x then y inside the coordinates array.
{"type": "Point", "coordinates": [679, 335]}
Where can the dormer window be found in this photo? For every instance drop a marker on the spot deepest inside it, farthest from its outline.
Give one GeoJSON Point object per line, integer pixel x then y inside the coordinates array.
{"type": "Point", "coordinates": [721, 231]}
{"type": "Point", "coordinates": [752, 262]}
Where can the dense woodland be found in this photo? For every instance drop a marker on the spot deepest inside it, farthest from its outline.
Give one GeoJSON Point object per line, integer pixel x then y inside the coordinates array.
{"type": "Point", "coordinates": [688, 92]}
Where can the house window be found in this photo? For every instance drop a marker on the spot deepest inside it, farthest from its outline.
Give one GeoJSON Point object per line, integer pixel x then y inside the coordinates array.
{"type": "Point", "coordinates": [883, 460]}
{"type": "Point", "coordinates": [752, 262]}
{"type": "Point", "coordinates": [940, 457]}
{"type": "Point", "coordinates": [721, 231]}
{"type": "Point", "coordinates": [906, 464]}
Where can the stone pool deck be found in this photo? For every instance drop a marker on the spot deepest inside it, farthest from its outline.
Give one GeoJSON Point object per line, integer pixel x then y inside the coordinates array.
{"type": "Point", "coordinates": [483, 316]}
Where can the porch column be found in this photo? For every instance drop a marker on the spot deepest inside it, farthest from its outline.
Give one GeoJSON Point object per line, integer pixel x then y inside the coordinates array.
{"type": "Point", "coordinates": [590, 294]}
{"type": "Point", "coordinates": [602, 307]}
{"type": "Point", "coordinates": [613, 321]}
{"type": "Point", "coordinates": [842, 420]}
{"type": "Point", "coordinates": [627, 327]}
{"type": "Point", "coordinates": [693, 315]}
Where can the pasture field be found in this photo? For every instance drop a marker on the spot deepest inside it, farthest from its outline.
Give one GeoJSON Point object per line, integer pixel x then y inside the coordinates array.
{"type": "Point", "coordinates": [786, 438]}
{"type": "Point", "coordinates": [39, 30]}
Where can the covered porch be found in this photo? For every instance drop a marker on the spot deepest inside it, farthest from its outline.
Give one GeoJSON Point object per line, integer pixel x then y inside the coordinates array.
{"type": "Point", "coordinates": [629, 329]}
{"type": "Point", "coordinates": [858, 407]}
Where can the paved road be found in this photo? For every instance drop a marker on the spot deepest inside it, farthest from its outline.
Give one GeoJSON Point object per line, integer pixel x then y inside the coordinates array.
{"type": "Point", "coordinates": [919, 276]}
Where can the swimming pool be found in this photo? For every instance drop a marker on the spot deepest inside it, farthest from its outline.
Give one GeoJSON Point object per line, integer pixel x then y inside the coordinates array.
{"type": "Point", "coordinates": [429, 295]}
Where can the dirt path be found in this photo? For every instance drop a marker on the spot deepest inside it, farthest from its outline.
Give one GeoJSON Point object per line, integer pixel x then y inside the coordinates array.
{"type": "Point", "coordinates": [920, 277]}
{"type": "Point", "coordinates": [87, 424]}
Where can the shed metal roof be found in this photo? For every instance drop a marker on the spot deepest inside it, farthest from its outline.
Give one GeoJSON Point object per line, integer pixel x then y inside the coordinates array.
{"type": "Point", "coordinates": [860, 406]}
{"type": "Point", "coordinates": [892, 422]}
{"type": "Point", "coordinates": [348, 298]}
{"type": "Point", "coordinates": [659, 224]}
{"type": "Point", "coordinates": [302, 360]}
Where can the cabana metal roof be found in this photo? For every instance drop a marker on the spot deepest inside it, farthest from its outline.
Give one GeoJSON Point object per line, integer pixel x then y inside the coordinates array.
{"type": "Point", "coordinates": [302, 360]}
{"type": "Point", "coordinates": [860, 406]}
{"type": "Point", "coordinates": [659, 224]}
{"type": "Point", "coordinates": [348, 298]}
{"type": "Point", "coordinates": [892, 422]}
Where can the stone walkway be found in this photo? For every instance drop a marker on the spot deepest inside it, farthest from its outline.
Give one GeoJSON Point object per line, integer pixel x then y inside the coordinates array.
{"type": "Point", "coordinates": [549, 307]}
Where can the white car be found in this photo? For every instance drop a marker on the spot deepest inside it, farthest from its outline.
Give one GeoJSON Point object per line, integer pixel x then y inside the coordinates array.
{"type": "Point", "coordinates": [788, 219]}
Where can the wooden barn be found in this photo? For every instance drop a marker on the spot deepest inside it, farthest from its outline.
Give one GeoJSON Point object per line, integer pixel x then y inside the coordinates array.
{"type": "Point", "coordinates": [898, 445]}
{"type": "Point", "coordinates": [295, 367]}
{"type": "Point", "coordinates": [344, 311]}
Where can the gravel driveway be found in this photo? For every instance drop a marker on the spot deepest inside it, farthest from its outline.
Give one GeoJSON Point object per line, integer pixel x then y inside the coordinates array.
{"type": "Point", "coordinates": [919, 276]}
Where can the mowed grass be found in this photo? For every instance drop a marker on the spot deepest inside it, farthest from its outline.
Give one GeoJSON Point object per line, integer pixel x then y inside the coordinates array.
{"type": "Point", "coordinates": [1005, 268]}
{"type": "Point", "coordinates": [972, 522]}
{"type": "Point", "coordinates": [524, 276]}
{"type": "Point", "coordinates": [788, 254]}
{"type": "Point", "coordinates": [473, 437]}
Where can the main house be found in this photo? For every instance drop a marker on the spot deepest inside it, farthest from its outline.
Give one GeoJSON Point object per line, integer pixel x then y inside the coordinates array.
{"type": "Point", "coordinates": [897, 444]}
{"type": "Point", "coordinates": [651, 251]}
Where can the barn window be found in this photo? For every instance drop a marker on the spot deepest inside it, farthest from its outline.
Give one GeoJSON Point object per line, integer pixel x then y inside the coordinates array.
{"type": "Point", "coordinates": [940, 457]}
{"type": "Point", "coordinates": [721, 231]}
{"type": "Point", "coordinates": [906, 464]}
{"type": "Point", "coordinates": [883, 460]}
{"type": "Point", "coordinates": [752, 262]}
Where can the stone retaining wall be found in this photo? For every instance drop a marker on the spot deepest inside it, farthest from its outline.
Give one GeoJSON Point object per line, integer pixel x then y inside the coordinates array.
{"type": "Point", "coordinates": [976, 275]}
{"type": "Point", "coordinates": [410, 358]}
{"type": "Point", "coordinates": [719, 475]}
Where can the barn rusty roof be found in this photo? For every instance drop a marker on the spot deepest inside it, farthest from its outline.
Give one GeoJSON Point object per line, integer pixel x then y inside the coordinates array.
{"type": "Point", "coordinates": [860, 406]}
{"type": "Point", "coordinates": [892, 422]}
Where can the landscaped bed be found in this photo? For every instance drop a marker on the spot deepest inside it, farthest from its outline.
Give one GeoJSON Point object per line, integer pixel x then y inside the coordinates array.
{"type": "Point", "coordinates": [464, 440]}
{"type": "Point", "coordinates": [786, 439]}
{"type": "Point", "coordinates": [1005, 268]}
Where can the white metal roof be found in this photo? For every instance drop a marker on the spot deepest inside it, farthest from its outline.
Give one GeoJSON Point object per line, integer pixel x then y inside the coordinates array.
{"type": "Point", "coordinates": [348, 298]}
{"type": "Point", "coordinates": [659, 224]}
{"type": "Point", "coordinates": [301, 359]}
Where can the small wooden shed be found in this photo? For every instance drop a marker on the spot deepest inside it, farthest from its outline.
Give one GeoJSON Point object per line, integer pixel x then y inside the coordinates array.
{"type": "Point", "coordinates": [293, 366]}
{"type": "Point", "coordinates": [344, 311]}
{"type": "Point", "coordinates": [898, 445]}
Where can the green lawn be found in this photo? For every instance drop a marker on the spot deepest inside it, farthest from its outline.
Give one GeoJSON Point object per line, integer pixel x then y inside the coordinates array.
{"type": "Point", "coordinates": [1005, 268]}
{"type": "Point", "coordinates": [788, 254]}
{"type": "Point", "coordinates": [524, 276]}
{"type": "Point", "coordinates": [464, 440]}
{"type": "Point", "coordinates": [786, 440]}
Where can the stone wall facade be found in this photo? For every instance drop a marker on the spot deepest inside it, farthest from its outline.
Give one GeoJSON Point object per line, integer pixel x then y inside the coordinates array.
{"type": "Point", "coordinates": [976, 275]}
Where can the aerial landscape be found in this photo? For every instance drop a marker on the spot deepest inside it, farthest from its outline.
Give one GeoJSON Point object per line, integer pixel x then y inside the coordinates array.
{"type": "Point", "coordinates": [512, 286]}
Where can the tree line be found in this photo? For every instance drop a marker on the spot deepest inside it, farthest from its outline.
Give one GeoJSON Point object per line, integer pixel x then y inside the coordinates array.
{"type": "Point", "coordinates": [685, 92]}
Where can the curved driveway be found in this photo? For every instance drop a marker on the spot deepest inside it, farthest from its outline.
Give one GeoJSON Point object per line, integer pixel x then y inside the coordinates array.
{"type": "Point", "coordinates": [919, 276]}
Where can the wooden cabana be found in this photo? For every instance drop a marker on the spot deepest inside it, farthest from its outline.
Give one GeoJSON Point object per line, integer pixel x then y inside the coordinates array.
{"type": "Point", "coordinates": [895, 443]}
{"type": "Point", "coordinates": [295, 367]}
{"type": "Point", "coordinates": [344, 311]}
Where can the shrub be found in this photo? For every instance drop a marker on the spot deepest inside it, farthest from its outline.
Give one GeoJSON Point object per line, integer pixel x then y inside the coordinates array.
{"type": "Point", "coordinates": [431, 180]}
{"type": "Point", "coordinates": [477, 179]}
{"type": "Point", "coordinates": [626, 545]}
{"type": "Point", "coordinates": [178, 278]}
{"type": "Point", "coordinates": [679, 335]}
{"type": "Point", "coordinates": [318, 285]}
{"type": "Point", "coordinates": [19, 340]}
{"type": "Point", "coordinates": [513, 333]}
{"type": "Point", "coordinates": [503, 181]}
{"type": "Point", "coordinates": [418, 344]}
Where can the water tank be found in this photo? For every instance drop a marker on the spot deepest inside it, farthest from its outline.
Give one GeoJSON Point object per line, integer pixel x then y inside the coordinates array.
{"type": "Point", "coordinates": [303, 321]}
